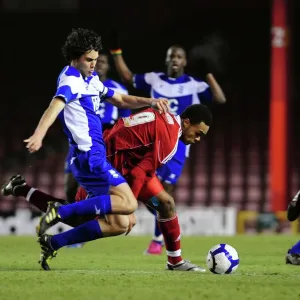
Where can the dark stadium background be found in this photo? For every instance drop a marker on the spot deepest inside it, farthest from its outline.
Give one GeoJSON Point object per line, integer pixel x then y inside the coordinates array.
{"type": "Point", "coordinates": [230, 166]}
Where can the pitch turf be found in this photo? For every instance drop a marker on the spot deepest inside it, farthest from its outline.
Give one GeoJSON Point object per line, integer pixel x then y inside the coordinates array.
{"type": "Point", "coordinates": [116, 269]}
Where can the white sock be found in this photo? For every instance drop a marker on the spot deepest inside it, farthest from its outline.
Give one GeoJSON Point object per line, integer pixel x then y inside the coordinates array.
{"type": "Point", "coordinates": [31, 191]}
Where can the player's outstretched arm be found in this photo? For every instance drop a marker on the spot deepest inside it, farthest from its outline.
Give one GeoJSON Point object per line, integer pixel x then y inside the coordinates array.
{"type": "Point", "coordinates": [116, 51]}
{"type": "Point", "coordinates": [132, 102]}
{"type": "Point", "coordinates": [122, 68]}
{"type": "Point", "coordinates": [34, 143]}
{"type": "Point", "coordinates": [218, 94]}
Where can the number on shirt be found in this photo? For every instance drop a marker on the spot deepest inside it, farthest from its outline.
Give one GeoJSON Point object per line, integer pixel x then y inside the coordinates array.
{"type": "Point", "coordinates": [96, 103]}
{"type": "Point", "coordinates": [139, 118]}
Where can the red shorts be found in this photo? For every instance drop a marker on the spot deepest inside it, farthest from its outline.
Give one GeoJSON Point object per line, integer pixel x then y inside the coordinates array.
{"type": "Point", "coordinates": [151, 188]}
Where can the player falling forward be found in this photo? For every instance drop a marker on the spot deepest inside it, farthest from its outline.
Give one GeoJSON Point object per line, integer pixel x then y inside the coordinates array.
{"type": "Point", "coordinates": [136, 146]}
{"type": "Point", "coordinates": [108, 114]}
{"type": "Point", "coordinates": [181, 90]}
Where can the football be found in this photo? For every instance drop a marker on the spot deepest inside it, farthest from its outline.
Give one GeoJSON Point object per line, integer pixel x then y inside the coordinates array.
{"type": "Point", "coordinates": [222, 259]}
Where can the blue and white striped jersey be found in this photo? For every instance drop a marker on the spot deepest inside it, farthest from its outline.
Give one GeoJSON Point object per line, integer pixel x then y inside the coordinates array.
{"type": "Point", "coordinates": [80, 118]}
{"type": "Point", "coordinates": [181, 92]}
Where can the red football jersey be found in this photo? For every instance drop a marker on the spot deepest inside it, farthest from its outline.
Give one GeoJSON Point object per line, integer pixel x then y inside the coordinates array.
{"type": "Point", "coordinates": [147, 137]}
{"type": "Point", "coordinates": [138, 145]}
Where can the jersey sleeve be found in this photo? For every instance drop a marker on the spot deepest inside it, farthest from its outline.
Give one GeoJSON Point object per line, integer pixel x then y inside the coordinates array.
{"type": "Point", "coordinates": [68, 88]}
{"type": "Point", "coordinates": [105, 92]}
{"type": "Point", "coordinates": [203, 91]}
{"type": "Point", "coordinates": [143, 81]}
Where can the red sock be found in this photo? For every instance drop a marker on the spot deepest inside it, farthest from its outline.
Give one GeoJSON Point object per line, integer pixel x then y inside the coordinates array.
{"type": "Point", "coordinates": [36, 197]}
{"type": "Point", "coordinates": [171, 231]}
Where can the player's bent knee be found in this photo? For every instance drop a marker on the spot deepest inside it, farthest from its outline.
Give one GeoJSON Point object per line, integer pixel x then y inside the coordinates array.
{"type": "Point", "coordinates": [169, 204]}
{"type": "Point", "coordinates": [128, 199]}
{"type": "Point", "coordinates": [166, 203]}
{"type": "Point", "coordinates": [132, 204]}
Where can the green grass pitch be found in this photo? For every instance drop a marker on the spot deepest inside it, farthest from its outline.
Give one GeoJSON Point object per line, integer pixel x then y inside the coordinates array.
{"type": "Point", "coordinates": [115, 268]}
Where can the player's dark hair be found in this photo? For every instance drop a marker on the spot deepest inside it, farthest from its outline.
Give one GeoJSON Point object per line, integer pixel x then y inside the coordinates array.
{"type": "Point", "coordinates": [80, 41]}
{"type": "Point", "coordinates": [197, 113]}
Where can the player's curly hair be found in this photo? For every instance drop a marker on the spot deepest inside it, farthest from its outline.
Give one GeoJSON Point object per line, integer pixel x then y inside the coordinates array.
{"type": "Point", "coordinates": [80, 41]}
{"type": "Point", "coordinates": [197, 113]}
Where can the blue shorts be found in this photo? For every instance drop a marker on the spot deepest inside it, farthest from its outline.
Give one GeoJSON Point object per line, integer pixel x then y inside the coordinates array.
{"type": "Point", "coordinates": [95, 174]}
{"type": "Point", "coordinates": [172, 170]}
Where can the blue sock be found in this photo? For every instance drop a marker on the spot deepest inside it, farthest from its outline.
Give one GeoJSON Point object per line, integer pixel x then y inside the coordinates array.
{"type": "Point", "coordinates": [88, 231]}
{"type": "Point", "coordinates": [296, 248]}
{"type": "Point", "coordinates": [100, 206]}
{"type": "Point", "coordinates": [157, 231]}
